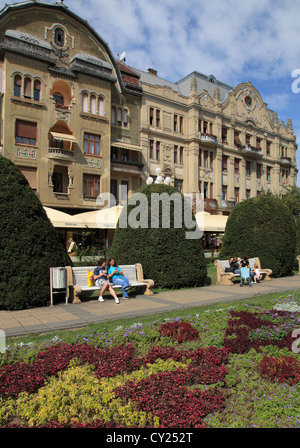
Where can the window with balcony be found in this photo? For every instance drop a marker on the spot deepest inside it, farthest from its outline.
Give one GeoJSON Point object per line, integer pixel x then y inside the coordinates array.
{"type": "Point", "coordinates": [25, 132]}
{"type": "Point", "coordinates": [91, 144]}
{"type": "Point", "coordinates": [91, 185]}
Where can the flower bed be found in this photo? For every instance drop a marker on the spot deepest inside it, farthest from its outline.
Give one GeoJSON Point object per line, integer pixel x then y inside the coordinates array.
{"type": "Point", "coordinates": [229, 367]}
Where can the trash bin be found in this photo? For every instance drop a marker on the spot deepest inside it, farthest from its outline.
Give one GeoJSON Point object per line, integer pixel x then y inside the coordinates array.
{"type": "Point", "coordinates": [58, 281]}
{"type": "Point", "coordinates": [59, 278]}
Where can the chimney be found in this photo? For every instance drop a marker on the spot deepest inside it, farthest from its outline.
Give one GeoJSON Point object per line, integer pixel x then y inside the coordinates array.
{"type": "Point", "coordinates": [152, 71]}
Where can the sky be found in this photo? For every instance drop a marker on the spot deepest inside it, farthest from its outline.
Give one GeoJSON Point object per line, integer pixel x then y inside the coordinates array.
{"type": "Point", "coordinates": [236, 41]}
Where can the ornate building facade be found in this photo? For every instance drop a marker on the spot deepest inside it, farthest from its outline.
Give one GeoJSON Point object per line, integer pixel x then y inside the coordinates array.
{"type": "Point", "coordinates": [79, 122]}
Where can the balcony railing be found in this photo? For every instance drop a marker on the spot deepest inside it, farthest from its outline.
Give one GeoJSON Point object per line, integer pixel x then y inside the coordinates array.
{"type": "Point", "coordinates": [285, 160]}
{"type": "Point", "coordinates": [228, 205]}
{"type": "Point", "coordinates": [209, 138]}
{"type": "Point", "coordinates": [252, 151]}
{"type": "Point", "coordinates": [61, 153]}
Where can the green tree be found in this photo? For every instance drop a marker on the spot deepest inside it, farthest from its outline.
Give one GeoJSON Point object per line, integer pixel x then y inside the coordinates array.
{"type": "Point", "coordinates": [263, 227]}
{"type": "Point", "coordinates": [29, 244]}
{"type": "Point", "coordinates": [167, 256]}
{"type": "Point", "coordinates": [292, 200]}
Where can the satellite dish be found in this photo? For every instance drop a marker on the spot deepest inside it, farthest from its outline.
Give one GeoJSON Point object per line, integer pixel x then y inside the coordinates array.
{"type": "Point", "coordinates": [123, 56]}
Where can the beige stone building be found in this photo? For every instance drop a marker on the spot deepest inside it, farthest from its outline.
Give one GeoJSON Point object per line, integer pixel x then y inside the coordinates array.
{"type": "Point", "coordinates": [69, 110]}
{"type": "Point", "coordinates": [211, 138]}
{"type": "Point", "coordinates": [78, 122]}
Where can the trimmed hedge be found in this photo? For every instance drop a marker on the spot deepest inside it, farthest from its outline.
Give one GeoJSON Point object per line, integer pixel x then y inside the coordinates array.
{"type": "Point", "coordinates": [167, 257]}
{"type": "Point", "coordinates": [262, 227]}
{"type": "Point", "coordinates": [29, 244]}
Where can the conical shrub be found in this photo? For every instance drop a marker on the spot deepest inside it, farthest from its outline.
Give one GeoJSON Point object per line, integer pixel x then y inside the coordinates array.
{"type": "Point", "coordinates": [167, 256]}
{"type": "Point", "coordinates": [29, 244]}
{"type": "Point", "coordinates": [262, 227]}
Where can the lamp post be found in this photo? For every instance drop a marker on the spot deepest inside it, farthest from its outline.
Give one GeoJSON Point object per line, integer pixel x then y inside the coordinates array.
{"type": "Point", "coordinates": [159, 179]}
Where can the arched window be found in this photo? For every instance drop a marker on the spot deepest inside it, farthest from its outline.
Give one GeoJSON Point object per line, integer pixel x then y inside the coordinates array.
{"type": "Point", "coordinates": [93, 104]}
{"type": "Point", "coordinates": [59, 37]}
{"type": "Point", "coordinates": [37, 90]}
{"type": "Point", "coordinates": [85, 102]}
{"type": "Point", "coordinates": [119, 117]}
{"type": "Point", "coordinates": [100, 106]}
{"type": "Point", "coordinates": [113, 115]}
{"type": "Point", "coordinates": [27, 88]}
{"type": "Point", "coordinates": [125, 118]}
{"type": "Point", "coordinates": [17, 85]}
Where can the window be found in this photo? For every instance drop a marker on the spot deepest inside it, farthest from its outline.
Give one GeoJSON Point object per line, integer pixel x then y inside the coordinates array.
{"type": "Point", "coordinates": [211, 160]}
{"type": "Point", "coordinates": [93, 104]}
{"type": "Point", "coordinates": [85, 99]}
{"type": "Point", "coordinates": [59, 99]}
{"type": "Point", "coordinates": [119, 117]}
{"type": "Point", "coordinates": [157, 151]}
{"type": "Point", "coordinates": [30, 174]}
{"type": "Point", "coordinates": [236, 195]}
{"type": "Point", "coordinates": [200, 157]}
{"type": "Point", "coordinates": [205, 161]}
{"type": "Point", "coordinates": [151, 146]}
{"type": "Point", "coordinates": [205, 127]}
{"type": "Point", "coordinates": [151, 118]}
{"type": "Point", "coordinates": [125, 118]}
{"type": "Point", "coordinates": [59, 37]}
{"type": "Point", "coordinates": [25, 132]}
{"type": "Point", "coordinates": [158, 118]}
{"type": "Point", "coordinates": [91, 185]}
{"type": "Point", "coordinates": [181, 125]}
{"type": "Point", "coordinates": [236, 166]}
{"type": "Point", "coordinates": [268, 148]}
{"type": "Point", "coordinates": [91, 144]}
{"type": "Point", "coordinates": [175, 123]}
{"type": "Point", "coordinates": [258, 143]}
{"type": "Point", "coordinates": [224, 192]}
{"type": "Point", "coordinates": [17, 85]}
{"type": "Point", "coordinates": [237, 140]}
{"type": "Point", "coordinates": [224, 163]}
{"type": "Point", "coordinates": [248, 193]}
{"type": "Point", "coordinates": [100, 106]}
{"type": "Point", "coordinates": [205, 190]}
{"type": "Point", "coordinates": [224, 135]}
{"type": "Point", "coordinates": [27, 88]}
{"type": "Point", "coordinates": [113, 115]}
{"type": "Point", "coordinates": [248, 169]}
{"type": "Point", "coordinates": [258, 170]}
{"type": "Point", "coordinates": [36, 90]}
{"type": "Point", "coordinates": [268, 173]}
{"type": "Point", "coordinates": [181, 155]}
{"type": "Point", "coordinates": [175, 154]}
{"type": "Point", "coordinates": [178, 184]}
{"type": "Point", "coordinates": [248, 140]}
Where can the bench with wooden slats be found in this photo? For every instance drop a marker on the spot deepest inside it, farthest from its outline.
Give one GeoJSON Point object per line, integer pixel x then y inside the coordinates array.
{"type": "Point", "coordinates": [225, 278]}
{"type": "Point", "coordinates": [77, 280]}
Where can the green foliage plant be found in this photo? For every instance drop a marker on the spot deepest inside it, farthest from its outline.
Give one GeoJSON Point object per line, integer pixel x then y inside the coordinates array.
{"type": "Point", "coordinates": [167, 256]}
{"type": "Point", "coordinates": [29, 244]}
{"type": "Point", "coordinates": [262, 227]}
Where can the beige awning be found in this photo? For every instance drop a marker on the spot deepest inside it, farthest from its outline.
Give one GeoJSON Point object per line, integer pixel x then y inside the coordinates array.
{"type": "Point", "coordinates": [65, 137]}
{"type": "Point", "coordinates": [123, 145]}
{"type": "Point", "coordinates": [211, 223]}
{"type": "Point", "coordinates": [63, 220]}
{"type": "Point", "coordinates": [105, 218]}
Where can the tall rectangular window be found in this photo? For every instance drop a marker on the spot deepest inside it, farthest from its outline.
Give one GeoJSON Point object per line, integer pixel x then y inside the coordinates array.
{"type": "Point", "coordinates": [175, 154]}
{"type": "Point", "coordinates": [224, 135]}
{"type": "Point", "coordinates": [181, 125]}
{"type": "Point", "coordinates": [151, 117]}
{"type": "Point", "coordinates": [151, 146]}
{"type": "Point", "coordinates": [91, 144]}
{"type": "Point", "coordinates": [258, 170]}
{"type": "Point", "coordinates": [158, 118]}
{"type": "Point", "coordinates": [157, 151]}
{"type": "Point", "coordinates": [175, 123]}
{"type": "Point", "coordinates": [91, 185]}
{"type": "Point", "coordinates": [268, 173]}
{"type": "Point", "coordinates": [248, 169]}
{"type": "Point", "coordinates": [181, 155]}
{"type": "Point", "coordinates": [268, 150]}
{"type": "Point", "coordinates": [224, 163]}
{"type": "Point", "coordinates": [25, 132]}
{"type": "Point", "coordinates": [236, 166]}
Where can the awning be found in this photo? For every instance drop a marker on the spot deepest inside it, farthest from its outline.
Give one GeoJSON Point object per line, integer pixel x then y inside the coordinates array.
{"type": "Point", "coordinates": [105, 218]}
{"type": "Point", "coordinates": [123, 145]}
{"type": "Point", "coordinates": [65, 137]}
{"type": "Point", "coordinates": [63, 220]}
{"type": "Point", "coordinates": [211, 223]}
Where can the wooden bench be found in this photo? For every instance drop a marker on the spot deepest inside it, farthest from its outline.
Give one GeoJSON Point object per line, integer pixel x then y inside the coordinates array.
{"type": "Point", "coordinates": [225, 278]}
{"type": "Point", "coordinates": [77, 280]}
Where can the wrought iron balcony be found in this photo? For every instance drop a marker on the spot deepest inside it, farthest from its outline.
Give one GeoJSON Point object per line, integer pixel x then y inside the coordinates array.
{"type": "Point", "coordinates": [208, 138]}
{"type": "Point", "coordinates": [252, 151]}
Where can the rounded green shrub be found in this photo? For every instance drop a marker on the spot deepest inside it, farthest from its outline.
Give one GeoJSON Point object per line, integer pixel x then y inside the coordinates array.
{"type": "Point", "coordinates": [166, 254]}
{"type": "Point", "coordinates": [29, 244]}
{"type": "Point", "coordinates": [262, 227]}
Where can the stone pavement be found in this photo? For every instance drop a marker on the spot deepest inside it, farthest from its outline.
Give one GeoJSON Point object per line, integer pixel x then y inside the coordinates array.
{"type": "Point", "coordinates": [70, 316]}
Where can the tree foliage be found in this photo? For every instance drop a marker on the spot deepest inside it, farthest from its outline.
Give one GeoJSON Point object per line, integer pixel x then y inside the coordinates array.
{"type": "Point", "coordinates": [29, 244]}
{"type": "Point", "coordinates": [167, 256]}
{"type": "Point", "coordinates": [262, 227]}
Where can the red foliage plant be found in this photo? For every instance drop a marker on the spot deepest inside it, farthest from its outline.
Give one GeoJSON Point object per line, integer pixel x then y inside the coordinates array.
{"type": "Point", "coordinates": [284, 370]}
{"type": "Point", "coordinates": [181, 331]}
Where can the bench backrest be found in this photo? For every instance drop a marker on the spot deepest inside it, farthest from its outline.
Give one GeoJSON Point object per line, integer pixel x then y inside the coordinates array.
{"type": "Point", "coordinates": [80, 273]}
{"type": "Point", "coordinates": [225, 264]}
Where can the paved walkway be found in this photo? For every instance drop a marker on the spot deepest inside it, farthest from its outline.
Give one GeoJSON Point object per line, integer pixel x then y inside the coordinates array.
{"type": "Point", "coordinates": [69, 316]}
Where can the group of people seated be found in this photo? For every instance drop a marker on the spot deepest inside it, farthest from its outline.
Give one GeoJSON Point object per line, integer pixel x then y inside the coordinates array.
{"type": "Point", "coordinates": [107, 276]}
{"type": "Point", "coordinates": [237, 263]}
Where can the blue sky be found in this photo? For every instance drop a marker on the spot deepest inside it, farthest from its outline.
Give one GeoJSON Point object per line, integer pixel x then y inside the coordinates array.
{"type": "Point", "coordinates": [236, 41]}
